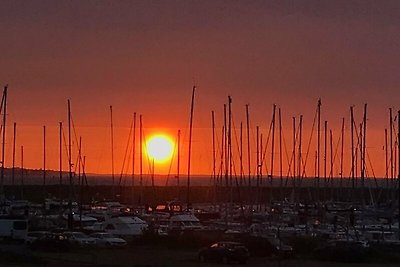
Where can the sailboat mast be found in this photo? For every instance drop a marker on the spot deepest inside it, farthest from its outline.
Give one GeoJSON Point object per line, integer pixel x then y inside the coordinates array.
{"type": "Point", "coordinates": [225, 151]}
{"type": "Point", "coordinates": [294, 157]}
{"type": "Point", "coordinates": [391, 145]}
{"type": "Point", "coordinates": [272, 154]}
{"type": "Point", "coordinates": [352, 151]}
{"type": "Point", "coordinates": [258, 165]}
{"type": "Point", "coordinates": [141, 158]}
{"type": "Point", "coordinates": [342, 156]}
{"type": "Point", "coordinates": [178, 164]}
{"type": "Point", "coordinates": [60, 158]}
{"type": "Point", "coordinates": [363, 152]}
{"type": "Point", "coordinates": [280, 154]}
{"type": "Point", "coordinates": [70, 214]}
{"type": "Point", "coordinates": [133, 157]}
{"type": "Point", "coordinates": [325, 155]}
{"type": "Point", "coordinates": [248, 143]}
{"type": "Point", "coordinates": [241, 153]}
{"type": "Point", "coordinates": [386, 159]}
{"type": "Point", "coordinates": [230, 150]}
{"type": "Point", "coordinates": [299, 156]}
{"type": "Point", "coordinates": [318, 148]}
{"type": "Point", "coordinates": [190, 149]}
{"type": "Point", "coordinates": [13, 154]}
{"type": "Point", "coordinates": [398, 169]}
{"type": "Point", "coordinates": [22, 172]}
{"type": "Point", "coordinates": [44, 162]}
{"type": "Point", "coordinates": [213, 152]}
{"type": "Point", "coordinates": [60, 151]}
{"type": "Point", "coordinates": [112, 152]}
{"type": "Point", "coordinates": [331, 161]}
{"type": "Point", "coordinates": [80, 163]}
{"type": "Point", "coordinates": [4, 102]}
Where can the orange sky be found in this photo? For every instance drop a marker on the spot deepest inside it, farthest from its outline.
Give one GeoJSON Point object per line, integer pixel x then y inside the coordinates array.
{"type": "Point", "coordinates": [144, 57]}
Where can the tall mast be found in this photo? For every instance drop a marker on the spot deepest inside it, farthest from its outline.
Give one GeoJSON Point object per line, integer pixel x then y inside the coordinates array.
{"type": "Point", "coordinates": [391, 145]}
{"type": "Point", "coordinates": [141, 158]}
{"type": "Point", "coordinates": [258, 163]}
{"type": "Point", "coordinates": [80, 164]}
{"type": "Point", "coordinates": [60, 161]}
{"type": "Point", "coordinates": [112, 152]}
{"type": "Point", "coordinates": [13, 157]}
{"type": "Point", "coordinates": [225, 152]}
{"type": "Point", "coordinates": [363, 152]}
{"type": "Point", "coordinates": [230, 149]}
{"type": "Point", "coordinates": [398, 169]}
{"type": "Point", "coordinates": [331, 161]}
{"type": "Point", "coordinates": [280, 154]}
{"type": "Point", "coordinates": [226, 165]}
{"type": "Point", "coordinates": [241, 153]}
{"type": "Point", "coordinates": [300, 151]}
{"type": "Point", "coordinates": [44, 162]}
{"type": "Point", "coordinates": [325, 155]}
{"type": "Point", "coordinates": [294, 157]}
{"type": "Point", "coordinates": [260, 169]}
{"type": "Point", "coordinates": [272, 153]}
{"type": "Point", "coordinates": [133, 157]}
{"type": "Point", "coordinates": [60, 151]}
{"type": "Point", "coordinates": [190, 148]}
{"type": "Point", "coordinates": [386, 159]}
{"type": "Point", "coordinates": [352, 151]}
{"type": "Point", "coordinates": [213, 151]}
{"type": "Point", "coordinates": [81, 184]}
{"type": "Point", "coordinates": [178, 164]}
{"type": "Point", "coordinates": [70, 214]}
{"type": "Point", "coordinates": [4, 102]}
{"type": "Point", "coordinates": [248, 143]}
{"type": "Point", "coordinates": [318, 148]}
{"type": "Point", "coordinates": [22, 172]}
{"type": "Point", "coordinates": [342, 156]}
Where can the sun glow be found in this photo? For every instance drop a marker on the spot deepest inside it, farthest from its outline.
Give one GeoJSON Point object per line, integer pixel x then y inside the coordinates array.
{"type": "Point", "coordinates": [160, 148]}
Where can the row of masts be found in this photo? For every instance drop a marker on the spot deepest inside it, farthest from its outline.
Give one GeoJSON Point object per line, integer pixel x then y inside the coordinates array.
{"type": "Point", "coordinates": [297, 163]}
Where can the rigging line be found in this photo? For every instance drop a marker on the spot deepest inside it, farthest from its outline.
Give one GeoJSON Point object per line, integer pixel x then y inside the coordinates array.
{"type": "Point", "coordinates": [130, 155]}
{"type": "Point", "coordinates": [335, 155]}
{"type": "Point", "coordinates": [127, 167]}
{"type": "Point", "coordinates": [286, 150]}
{"type": "Point", "coordinates": [292, 158]}
{"type": "Point", "coordinates": [253, 135]}
{"type": "Point", "coordinates": [79, 160]}
{"type": "Point", "coordinates": [356, 145]}
{"type": "Point", "coordinates": [172, 160]}
{"type": "Point", "coordinates": [372, 168]}
{"type": "Point", "coordinates": [126, 152]}
{"type": "Point", "coordinates": [125, 175]}
{"type": "Point", "coordinates": [149, 161]}
{"type": "Point", "coordinates": [308, 147]}
{"type": "Point", "coordinates": [263, 156]}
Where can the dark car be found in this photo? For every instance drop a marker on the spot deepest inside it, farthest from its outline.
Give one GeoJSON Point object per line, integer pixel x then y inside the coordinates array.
{"type": "Point", "coordinates": [224, 252]}
{"type": "Point", "coordinates": [53, 242]}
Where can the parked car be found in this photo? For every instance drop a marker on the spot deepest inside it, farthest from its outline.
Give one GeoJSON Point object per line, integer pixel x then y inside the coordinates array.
{"type": "Point", "coordinates": [224, 252]}
{"type": "Point", "coordinates": [51, 242]}
{"type": "Point", "coordinates": [34, 235]}
{"type": "Point", "coordinates": [280, 249]}
{"type": "Point", "coordinates": [108, 240]}
{"type": "Point", "coordinates": [80, 239]}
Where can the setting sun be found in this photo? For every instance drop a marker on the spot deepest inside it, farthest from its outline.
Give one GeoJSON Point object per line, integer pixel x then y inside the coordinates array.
{"type": "Point", "coordinates": [160, 148]}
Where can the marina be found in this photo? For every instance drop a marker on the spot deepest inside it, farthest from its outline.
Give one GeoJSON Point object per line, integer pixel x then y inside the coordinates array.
{"type": "Point", "coordinates": [199, 133]}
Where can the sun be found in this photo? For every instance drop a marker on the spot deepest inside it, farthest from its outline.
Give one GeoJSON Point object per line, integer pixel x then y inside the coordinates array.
{"type": "Point", "coordinates": [160, 148]}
